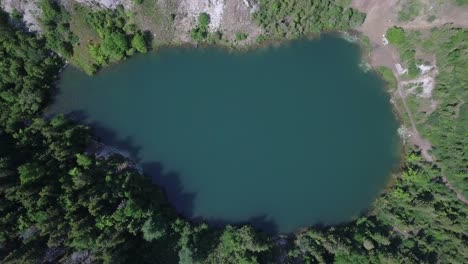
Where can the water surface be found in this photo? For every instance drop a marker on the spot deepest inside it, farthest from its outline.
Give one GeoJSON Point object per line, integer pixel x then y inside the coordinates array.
{"type": "Point", "coordinates": [283, 137]}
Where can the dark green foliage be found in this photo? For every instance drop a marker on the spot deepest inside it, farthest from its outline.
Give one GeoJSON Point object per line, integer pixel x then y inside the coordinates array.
{"type": "Point", "coordinates": [461, 2]}
{"type": "Point", "coordinates": [57, 197]}
{"type": "Point", "coordinates": [447, 127]}
{"type": "Point", "coordinates": [238, 246]}
{"type": "Point", "coordinates": [200, 32]}
{"type": "Point", "coordinates": [294, 18]}
{"type": "Point", "coordinates": [54, 21]}
{"type": "Point", "coordinates": [26, 71]}
{"type": "Point", "coordinates": [418, 221]}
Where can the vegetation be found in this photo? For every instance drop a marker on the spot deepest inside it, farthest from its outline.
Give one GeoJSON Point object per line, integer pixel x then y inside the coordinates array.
{"type": "Point", "coordinates": [116, 38]}
{"type": "Point", "coordinates": [410, 10]}
{"type": "Point", "coordinates": [54, 21]}
{"type": "Point", "coordinates": [404, 42]}
{"type": "Point", "coordinates": [388, 76]}
{"type": "Point", "coordinates": [200, 32]}
{"type": "Point", "coordinates": [240, 36]}
{"type": "Point", "coordinates": [395, 35]}
{"type": "Point", "coordinates": [295, 18]}
{"type": "Point", "coordinates": [418, 221]}
{"type": "Point", "coordinates": [445, 126]}
{"type": "Point", "coordinates": [60, 202]}
{"type": "Point", "coordinates": [461, 2]}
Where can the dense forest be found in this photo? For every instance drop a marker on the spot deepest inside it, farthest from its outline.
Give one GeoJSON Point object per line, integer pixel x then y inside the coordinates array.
{"type": "Point", "coordinates": [62, 203]}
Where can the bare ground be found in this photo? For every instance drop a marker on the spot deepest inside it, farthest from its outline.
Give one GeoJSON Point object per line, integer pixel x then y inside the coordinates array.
{"type": "Point", "coordinates": [383, 14]}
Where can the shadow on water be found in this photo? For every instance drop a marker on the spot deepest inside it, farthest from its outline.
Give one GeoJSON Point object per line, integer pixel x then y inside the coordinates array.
{"type": "Point", "coordinates": [170, 181]}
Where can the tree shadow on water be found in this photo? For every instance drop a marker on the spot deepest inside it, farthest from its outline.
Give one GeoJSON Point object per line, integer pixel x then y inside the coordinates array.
{"type": "Point", "coordinates": [182, 201]}
{"type": "Point", "coordinates": [170, 181]}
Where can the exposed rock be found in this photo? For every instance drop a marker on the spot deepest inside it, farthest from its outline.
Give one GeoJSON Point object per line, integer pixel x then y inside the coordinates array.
{"type": "Point", "coordinates": [128, 4]}
{"type": "Point", "coordinates": [28, 8]}
{"type": "Point", "coordinates": [52, 255]}
{"type": "Point", "coordinates": [80, 257]}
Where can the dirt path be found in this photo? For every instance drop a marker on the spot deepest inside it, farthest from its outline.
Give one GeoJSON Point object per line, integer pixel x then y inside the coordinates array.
{"type": "Point", "coordinates": [382, 15]}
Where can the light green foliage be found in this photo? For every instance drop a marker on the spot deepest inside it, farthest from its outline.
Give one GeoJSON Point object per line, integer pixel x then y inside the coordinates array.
{"type": "Point", "coordinates": [200, 32]}
{"type": "Point", "coordinates": [52, 196]}
{"type": "Point", "coordinates": [118, 39]}
{"type": "Point", "coordinates": [388, 76]}
{"type": "Point", "coordinates": [395, 35]}
{"type": "Point", "coordinates": [398, 37]}
{"type": "Point", "coordinates": [152, 230]}
{"type": "Point", "coordinates": [83, 160]}
{"type": "Point", "coordinates": [410, 10]}
{"type": "Point", "coordinates": [461, 2]}
{"type": "Point", "coordinates": [295, 18]}
{"type": "Point", "coordinates": [240, 36]}
{"type": "Point", "coordinates": [139, 43]}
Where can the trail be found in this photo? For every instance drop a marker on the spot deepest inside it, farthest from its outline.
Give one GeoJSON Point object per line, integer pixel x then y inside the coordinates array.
{"type": "Point", "coordinates": [382, 15]}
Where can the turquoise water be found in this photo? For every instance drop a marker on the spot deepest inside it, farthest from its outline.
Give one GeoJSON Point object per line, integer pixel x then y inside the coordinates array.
{"type": "Point", "coordinates": [281, 137]}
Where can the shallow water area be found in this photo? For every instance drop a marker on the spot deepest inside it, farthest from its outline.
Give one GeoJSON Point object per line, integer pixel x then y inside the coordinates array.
{"type": "Point", "coordinates": [281, 137]}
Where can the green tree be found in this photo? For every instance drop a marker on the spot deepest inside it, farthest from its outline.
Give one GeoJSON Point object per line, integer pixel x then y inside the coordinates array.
{"type": "Point", "coordinates": [139, 43]}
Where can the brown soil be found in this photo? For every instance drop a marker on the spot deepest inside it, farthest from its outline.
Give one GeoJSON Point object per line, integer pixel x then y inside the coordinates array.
{"type": "Point", "coordinates": [383, 14]}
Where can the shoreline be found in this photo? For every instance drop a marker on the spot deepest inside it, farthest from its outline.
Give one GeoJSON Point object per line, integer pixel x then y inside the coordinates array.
{"type": "Point", "coordinates": [389, 179]}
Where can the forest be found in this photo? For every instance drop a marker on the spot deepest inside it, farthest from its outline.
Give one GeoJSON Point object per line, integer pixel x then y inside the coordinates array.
{"type": "Point", "coordinates": [61, 203]}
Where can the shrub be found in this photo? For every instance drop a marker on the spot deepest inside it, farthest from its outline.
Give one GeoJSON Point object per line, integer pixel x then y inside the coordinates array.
{"type": "Point", "coordinates": [200, 32]}
{"type": "Point", "coordinates": [395, 35]}
{"type": "Point", "coordinates": [241, 36]}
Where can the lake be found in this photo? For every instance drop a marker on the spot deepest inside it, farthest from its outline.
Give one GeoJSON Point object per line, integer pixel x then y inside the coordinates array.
{"type": "Point", "coordinates": [280, 137]}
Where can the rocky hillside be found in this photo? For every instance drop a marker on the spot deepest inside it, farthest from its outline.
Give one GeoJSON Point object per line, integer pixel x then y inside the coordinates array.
{"type": "Point", "coordinates": [167, 20]}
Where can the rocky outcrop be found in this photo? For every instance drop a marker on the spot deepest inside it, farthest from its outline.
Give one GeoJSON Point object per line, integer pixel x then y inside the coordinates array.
{"type": "Point", "coordinates": [106, 3]}
{"type": "Point", "coordinates": [29, 9]}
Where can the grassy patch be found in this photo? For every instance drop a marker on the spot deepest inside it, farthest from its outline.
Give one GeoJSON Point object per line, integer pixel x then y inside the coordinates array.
{"type": "Point", "coordinates": [82, 57]}
{"type": "Point", "coordinates": [240, 36]}
{"type": "Point", "coordinates": [150, 17]}
{"type": "Point", "coordinates": [410, 10]}
{"type": "Point", "coordinates": [365, 43]}
{"type": "Point", "coordinates": [388, 76]}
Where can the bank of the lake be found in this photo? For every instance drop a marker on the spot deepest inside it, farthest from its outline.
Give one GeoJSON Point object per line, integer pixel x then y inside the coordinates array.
{"type": "Point", "coordinates": [280, 137]}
